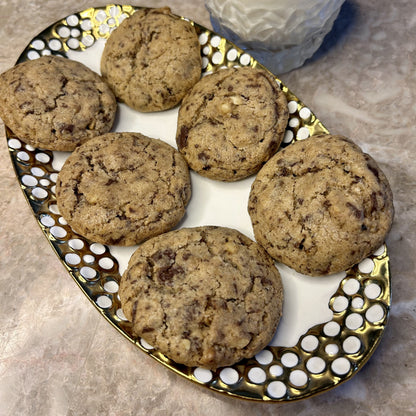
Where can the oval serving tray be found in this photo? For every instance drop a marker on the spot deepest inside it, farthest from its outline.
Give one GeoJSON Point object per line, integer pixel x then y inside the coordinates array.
{"type": "Point", "coordinates": [326, 355]}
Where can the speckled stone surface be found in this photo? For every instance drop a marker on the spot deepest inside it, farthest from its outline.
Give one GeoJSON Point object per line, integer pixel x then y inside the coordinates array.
{"type": "Point", "coordinates": [58, 356]}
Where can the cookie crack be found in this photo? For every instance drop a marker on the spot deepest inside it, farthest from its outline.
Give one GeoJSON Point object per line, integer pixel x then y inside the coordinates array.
{"type": "Point", "coordinates": [196, 119]}
{"type": "Point", "coordinates": [306, 233]}
{"type": "Point", "coordinates": [227, 260]}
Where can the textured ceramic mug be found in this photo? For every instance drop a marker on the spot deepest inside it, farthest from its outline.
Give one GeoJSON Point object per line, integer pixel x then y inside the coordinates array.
{"type": "Point", "coordinates": [281, 34]}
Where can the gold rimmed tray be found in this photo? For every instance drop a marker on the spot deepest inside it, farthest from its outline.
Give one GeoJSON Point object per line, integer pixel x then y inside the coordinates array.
{"type": "Point", "coordinates": [301, 361]}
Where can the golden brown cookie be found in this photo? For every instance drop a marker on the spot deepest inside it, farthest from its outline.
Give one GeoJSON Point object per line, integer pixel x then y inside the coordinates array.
{"type": "Point", "coordinates": [55, 103]}
{"type": "Point", "coordinates": [205, 296]}
{"type": "Point", "coordinates": [321, 205]}
{"type": "Point", "coordinates": [231, 123]}
{"type": "Point", "coordinates": [122, 188]}
{"type": "Point", "coordinates": [152, 59]}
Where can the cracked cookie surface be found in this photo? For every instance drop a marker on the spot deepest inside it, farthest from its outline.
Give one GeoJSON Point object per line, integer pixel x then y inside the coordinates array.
{"type": "Point", "coordinates": [122, 188]}
{"type": "Point", "coordinates": [55, 103]}
{"type": "Point", "coordinates": [152, 59]}
{"type": "Point", "coordinates": [205, 296]}
{"type": "Point", "coordinates": [231, 123]}
{"type": "Point", "coordinates": [321, 205]}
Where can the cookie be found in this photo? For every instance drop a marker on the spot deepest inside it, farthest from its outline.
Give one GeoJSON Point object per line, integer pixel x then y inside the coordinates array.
{"type": "Point", "coordinates": [122, 188]}
{"type": "Point", "coordinates": [55, 103]}
{"type": "Point", "coordinates": [152, 59]}
{"type": "Point", "coordinates": [231, 123]}
{"type": "Point", "coordinates": [205, 296]}
{"type": "Point", "coordinates": [321, 205]}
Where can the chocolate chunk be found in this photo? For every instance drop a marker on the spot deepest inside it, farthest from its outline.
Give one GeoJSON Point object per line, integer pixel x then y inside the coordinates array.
{"type": "Point", "coordinates": [183, 137]}
{"type": "Point", "coordinates": [166, 274]}
{"type": "Point", "coordinates": [358, 213]}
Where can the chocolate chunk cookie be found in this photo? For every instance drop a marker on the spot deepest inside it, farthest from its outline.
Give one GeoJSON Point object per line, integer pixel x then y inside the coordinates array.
{"type": "Point", "coordinates": [122, 188]}
{"type": "Point", "coordinates": [205, 296]}
{"type": "Point", "coordinates": [152, 59]}
{"type": "Point", "coordinates": [55, 103]}
{"type": "Point", "coordinates": [321, 205]}
{"type": "Point", "coordinates": [231, 123]}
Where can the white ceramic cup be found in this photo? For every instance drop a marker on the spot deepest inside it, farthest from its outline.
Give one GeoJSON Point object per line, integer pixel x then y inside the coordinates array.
{"type": "Point", "coordinates": [281, 34]}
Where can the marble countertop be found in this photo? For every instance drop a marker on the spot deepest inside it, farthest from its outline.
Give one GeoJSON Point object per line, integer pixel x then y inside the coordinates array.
{"type": "Point", "coordinates": [58, 356]}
